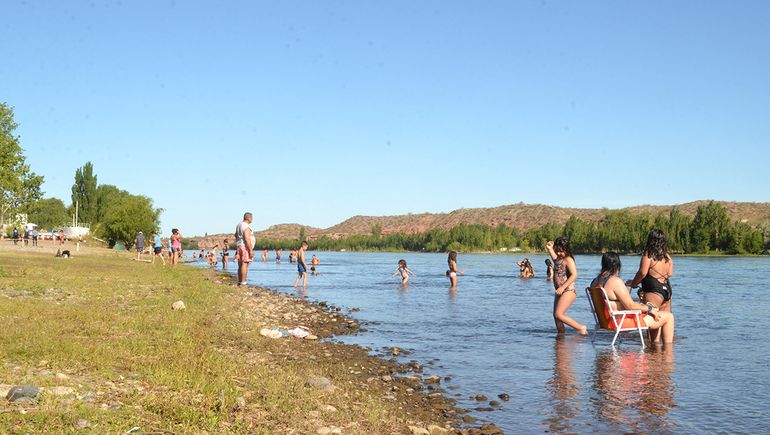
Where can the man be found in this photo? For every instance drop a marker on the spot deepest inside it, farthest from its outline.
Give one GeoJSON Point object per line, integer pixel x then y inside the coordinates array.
{"type": "Point", "coordinates": [35, 235]}
{"type": "Point", "coordinates": [26, 237]}
{"type": "Point", "coordinates": [301, 266]}
{"type": "Point", "coordinates": [244, 247]}
{"type": "Point", "coordinates": [139, 242]}
{"type": "Point", "coordinates": [15, 236]}
{"type": "Point", "coordinates": [157, 248]}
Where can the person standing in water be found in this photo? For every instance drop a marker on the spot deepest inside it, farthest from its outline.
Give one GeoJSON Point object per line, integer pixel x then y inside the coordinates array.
{"type": "Point", "coordinates": [244, 248]}
{"type": "Point", "coordinates": [225, 253]}
{"type": "Point", "coordinates": [453, 270]}
{"type": "Point", "coordinates": [565, 274]}
{"type": "Point", "coordinates": [277, 255]}
{"type": "Point", "coordinates": [549, 269]}
{"type": "Point", "coordinates": [176, 245]}
{"type": "Point", "coordinates": [264, 255]}
{"type": "Point", "coordinates": [301, 266]}
{"type": "Point", "coordinates": [403, 271]}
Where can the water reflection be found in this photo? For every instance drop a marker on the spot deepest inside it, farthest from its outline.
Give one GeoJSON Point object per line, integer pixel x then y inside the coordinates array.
{"type": "Point", "coordinates": [563, 387]}
{"type": "Point", "coordinates": [634, 389]}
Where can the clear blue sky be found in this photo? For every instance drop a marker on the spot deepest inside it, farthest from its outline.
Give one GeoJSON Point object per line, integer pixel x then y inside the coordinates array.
{"type": "Point", "coordinates": [315, 111]}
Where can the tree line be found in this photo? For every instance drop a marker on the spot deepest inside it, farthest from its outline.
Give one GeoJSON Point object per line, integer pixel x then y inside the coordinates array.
{"type": "Point", "coordinates": [113, 214]}
{"type": "Point", "coordinates": [710, 231]}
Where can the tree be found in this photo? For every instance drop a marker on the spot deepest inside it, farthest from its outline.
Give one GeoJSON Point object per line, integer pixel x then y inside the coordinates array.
{"type": "Point", "coordinates": [710, 228]}
{"type": "Point", "coordinates": [376, 231]}
{"type": "Point", "coordinates": [18, 185]}
{"type": "Point", "coordinates": [301, 234]}
{"type": "Point", "coordinates": [48, 213]}
{"type": "Point", "coordinates": [84, 193]}
{"type": "Point", "coordinates": [106, 196]}
{"type": "Point", "coordinates": [129, 215]}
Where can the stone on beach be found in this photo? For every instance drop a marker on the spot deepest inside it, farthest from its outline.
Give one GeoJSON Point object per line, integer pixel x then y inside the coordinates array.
{"type": "Point", "coordinates": [329, 430]}
{"type": "Point", "coordinates": [416, 430]}
{"type": "Point", "coordinates": [270, 333]}
{"type": "Point", "coordinates": [178, 305]}
{"type": "Point", "coordinates": [432, 380]}
{"type": "Point", "coordinates": [321, 383]}
{"type": "Point", "coordinates": [23, 394]}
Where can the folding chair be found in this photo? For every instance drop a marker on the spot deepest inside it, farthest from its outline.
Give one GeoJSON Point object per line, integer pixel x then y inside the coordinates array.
{"type": "Point", "coordinates": [613, 320]}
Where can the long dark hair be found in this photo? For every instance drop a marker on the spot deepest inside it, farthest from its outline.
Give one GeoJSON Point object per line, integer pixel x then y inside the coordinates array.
{"type": "Point", "coordinates": [452, 256]}
{"type": "Point", "coordinates": [561, 244]}
{"type": "Point", "coordinates": [610, 264]}
{"type": "Point", "coordinates": [657, 246]}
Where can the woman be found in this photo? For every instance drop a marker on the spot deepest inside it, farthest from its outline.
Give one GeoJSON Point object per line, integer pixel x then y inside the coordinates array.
{"type": "Point", "coordinates": [225, 253]}
{"type": "Point", "coordinates": [565, 274]}
{"type": "Point", "coordinates": [655, 268]}
{"type": "Point", "coordinates": [453, 270]}
{"type": "Point", "coordinates": [176, 245]}
{"type": "Point", "coordinates": [662, 322]}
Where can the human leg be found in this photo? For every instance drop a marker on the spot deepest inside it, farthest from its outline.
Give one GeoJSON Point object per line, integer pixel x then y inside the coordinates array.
{"type": "Point", "coordinates": [562, 305]}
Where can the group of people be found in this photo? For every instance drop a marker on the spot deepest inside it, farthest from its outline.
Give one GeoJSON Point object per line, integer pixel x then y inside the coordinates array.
{"type": "Point", "coordinates": [173, 248]}
{"type": "Point", "coordinates": [655, 269]}
{"type": "Point", "coordinates": [33, 235]}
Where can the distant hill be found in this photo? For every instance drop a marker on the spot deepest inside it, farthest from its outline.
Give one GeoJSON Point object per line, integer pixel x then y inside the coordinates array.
{"type": "Point", "coordinates": [521, 216]}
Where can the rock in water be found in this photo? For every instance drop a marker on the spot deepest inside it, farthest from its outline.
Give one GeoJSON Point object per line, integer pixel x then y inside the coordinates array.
{"type": "Point", "coordinates": [437, 430]}
{"type": "Point", "coordinates": [432, 380]}
{"type": "Point", "coordinates": [178, 305]}
{"type": "Point", "coordinates": [23, 394]}
{"type": "Point", "coordinates": [320, 382]}
{"type": "Point", "coordinates": [504, 397]}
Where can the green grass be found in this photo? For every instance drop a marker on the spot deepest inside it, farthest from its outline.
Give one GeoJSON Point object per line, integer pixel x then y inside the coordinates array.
{"type": "Point", "coordinates": [107, 323]}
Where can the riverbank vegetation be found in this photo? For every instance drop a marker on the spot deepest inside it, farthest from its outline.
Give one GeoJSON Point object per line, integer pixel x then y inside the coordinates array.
{"type": "Point", "coordinates": [710, 231]}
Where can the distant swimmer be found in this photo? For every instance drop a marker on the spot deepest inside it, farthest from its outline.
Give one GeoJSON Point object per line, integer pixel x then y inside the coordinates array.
{"type": "Point", "coordinates": [565, 274]}
{"type": "Point", "coordinates": [277, 255]}
{"type": "Point", "coordinates": [244, 247]}
{"type": "Point", "coordinates": [549, 269]}
{"type": "Point", "coordinates": [314, 261]}
{"type": "Point", "coordinates": [403, 271]}
{"type": "Point", "coordinates": [525, 269]}
{"type": "Point", "coordinates": [225, 253]}
{"type": "Point", "coordinates": [264, 255]}
{"type": "Point", "coordinates": [453, 270]}
{"type": "Point", "coordinates": [301, 266]}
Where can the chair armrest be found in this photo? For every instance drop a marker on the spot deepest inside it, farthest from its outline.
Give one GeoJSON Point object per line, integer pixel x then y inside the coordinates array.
{"type": "Point", "coordinates": [628, 312]}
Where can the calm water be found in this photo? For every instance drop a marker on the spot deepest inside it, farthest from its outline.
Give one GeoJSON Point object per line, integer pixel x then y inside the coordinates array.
{"type": "Point", "coordinates": [495, 335]}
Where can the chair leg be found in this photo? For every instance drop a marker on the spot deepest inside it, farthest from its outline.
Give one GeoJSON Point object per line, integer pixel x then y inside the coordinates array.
{"type": "Point", "coordinates": [593, 335]}
{"type": "Point", "coordinates": [639, 328]}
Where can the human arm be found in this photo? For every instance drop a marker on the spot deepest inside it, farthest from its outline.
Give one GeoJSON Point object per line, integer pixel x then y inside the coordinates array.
{"type": "Point", "coordinates": [247, 241]}
{"type": "Point", "coordinates": [618, 288]}
{"type": "Point", "coordinates": [549, 249]}
{"type": "Point", "coordinates": [644, 268]}
{"type": "Point", "coordinates": [409, 271]}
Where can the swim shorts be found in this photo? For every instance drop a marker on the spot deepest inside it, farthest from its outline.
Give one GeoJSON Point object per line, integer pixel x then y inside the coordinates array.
{"type": "Point", "coordinates": [301, 268]}
{"type": "Point", "coordinates": [243, 254]}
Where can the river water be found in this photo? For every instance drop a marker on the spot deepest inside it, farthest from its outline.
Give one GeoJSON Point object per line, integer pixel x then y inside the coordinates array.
{"type": "Point", "coordinates": [495, 334]}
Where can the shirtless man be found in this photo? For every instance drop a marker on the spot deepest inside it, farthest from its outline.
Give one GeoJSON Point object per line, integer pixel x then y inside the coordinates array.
{"type": "Point", "coordinates": [244, 248]}
{"type": "Point", "coordinates": [301, 266]}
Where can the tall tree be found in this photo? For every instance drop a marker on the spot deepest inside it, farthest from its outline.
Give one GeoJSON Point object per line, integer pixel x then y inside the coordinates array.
{"type": "Point", "coordinates": [18, 185]}
{"type": "Point", "coordinates": [84, 193]}
{"type": "Point", "coordinates": [127, 216]}
{"type": "Point", "coordinates": [48, 213]}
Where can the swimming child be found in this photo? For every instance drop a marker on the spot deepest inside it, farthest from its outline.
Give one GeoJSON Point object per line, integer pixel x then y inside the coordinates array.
{"type": "Point", "coordinates": [549, 267]}
{"type": "Point", "coordinates": [277, 255]}
{"type": "Point", "coordinates": [314, 261]}
{"type": "Point", "coordinates": [404, 271]}
{"type": "Point", "coordinates": [565, 274]}
{"type": "Point", "coordinates": [453, 270]}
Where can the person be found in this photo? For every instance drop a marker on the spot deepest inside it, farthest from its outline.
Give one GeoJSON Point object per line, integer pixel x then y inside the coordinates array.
{"type": "Point", "coordinates": [176, 245]}
{"type": "Point", "coordinates": [35, 235]}
{"type": "Point", "coordinates": [549, 269]}
{"type": "Point", "coordinates": [655, 269]}
{"type": "Point", "coordinates": [201, 254]}
{"type": "Point", "coordinates": [404, 271]}
{"type": "Point", "coordinates": [292, 256]}
{"type": "Point", "coordinates": [453, 270]}
{"type": "Point", "coordinates": [26, 237]}
{"type": "Point", "coordinates": [301, 265]}
{"type": "Point", "coordinates": [157, 248]}
{"type": "Point", "coordinates": [225, 253]}
{"type": "Point", "coordinates": [15, 236]}
{"type": "Point", "coordinates": [277, 255]}
{"type": "Point", "coordinates": [660, 321]}
{"type": "Point", "coordinates": [525, 268]}
{"type": "Point", "coordinates": [264, 255]}
{"type": "Point", "coordinates": [314, 261]}
{"type": "Point", "coordinates": [61, 237]}
{"type": "Point", "coordinates": [244, 247]}
{"type": "Point", "coordinates": [139, 242]}
{"type": "Point", "coordinates": [565, 274]}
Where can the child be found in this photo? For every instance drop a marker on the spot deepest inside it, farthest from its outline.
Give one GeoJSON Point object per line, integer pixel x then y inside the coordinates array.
{"type": "Point", "coordinates": [565, 273]}
{"type": "Point", "coordinates": [403, 271]}
{"type": "Point", "coordinates": [549, 267]}
{"type": "Point", "coordinates": [453, 270]}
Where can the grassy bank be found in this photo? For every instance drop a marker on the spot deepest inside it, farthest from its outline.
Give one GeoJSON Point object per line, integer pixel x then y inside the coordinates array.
{"type": "Point", "coordinates": [101, 329]}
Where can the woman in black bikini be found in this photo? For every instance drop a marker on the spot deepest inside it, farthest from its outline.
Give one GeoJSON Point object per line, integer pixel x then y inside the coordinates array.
{"type": "Point", "coordinates": [655, 269]}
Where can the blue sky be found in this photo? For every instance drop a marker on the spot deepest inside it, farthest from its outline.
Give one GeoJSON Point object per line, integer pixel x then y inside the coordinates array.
{"type": "Point", "coordinates": [315, 111]}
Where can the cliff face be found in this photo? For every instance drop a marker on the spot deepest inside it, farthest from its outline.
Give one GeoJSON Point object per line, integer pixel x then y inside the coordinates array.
{"type": "Point", "coordinates": [521, 216]}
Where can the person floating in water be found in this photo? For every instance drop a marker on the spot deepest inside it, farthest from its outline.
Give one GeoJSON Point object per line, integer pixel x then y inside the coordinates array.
{"type": "Point", "coordinates": [565, 273]}
{"type": "Point", "coordinates": [314, 261]}
{"type": "Point", "coordinates": [659, 322]}
{"type": "Point", "coordinates": [453, 270]}
{"type": "Point", "coordinates": [655, 269]}
{"type": "Point", "coordinates": [525, 269]}
{"type": "Point", "coordinates": [549, 269]}
{"type": "Point", "coordinates": [301, 266]}
{"type": "Point", "coordinates": [403, 271]}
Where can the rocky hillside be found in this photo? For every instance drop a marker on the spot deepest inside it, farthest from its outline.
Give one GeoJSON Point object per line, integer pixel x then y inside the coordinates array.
{"type": "Point", "coordinates": [521, 216]}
